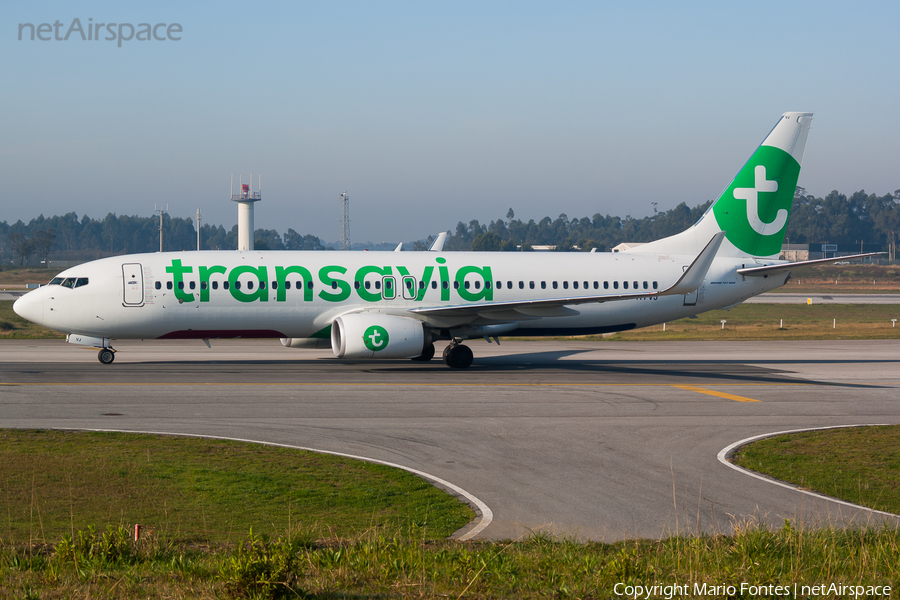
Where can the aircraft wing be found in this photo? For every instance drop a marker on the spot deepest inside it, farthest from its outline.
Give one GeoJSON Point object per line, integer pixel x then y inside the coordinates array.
{"type": "Point", "coordinates": [767, 270]}
{"type": "Point", "coordinates": [689, 281]}
{"type": "Point", "coordinates": [438, 244]}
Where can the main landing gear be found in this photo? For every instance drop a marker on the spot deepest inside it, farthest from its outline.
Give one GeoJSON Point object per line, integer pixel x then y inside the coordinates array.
{"type": "Point", "coordinates": [106, 356]}
{"type": "Point", "coordinates": [457, 356]}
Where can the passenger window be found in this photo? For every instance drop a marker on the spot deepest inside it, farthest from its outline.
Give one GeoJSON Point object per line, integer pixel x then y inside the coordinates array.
{"type": "Point", "coordinates": [509, 285]}
{"type": "Point", "coordinates": [555, 285]}
{"type": "Point", "coordinates": [487, 285]}
{"type": "Point", "coordinates": [368, 285]}
{"type": "Point", "coordinates": [466, 284]}
{"type": "Point", "coordinates": [377, 285]}
{"type": "Point", "coordinates": [445, 285]}
{"type": "Point", "coordinates": [287, 285]}
{"type": "Point", "coordinates": [215, 285]}
{"type": "Point", "coordinates": [193, 284]}
{"type": "Point", "coordinates": [654, 285]}
{"type": "Point", "coordinates": [575, 285]}
{"type": "Point", "coordinates": [237, 285]}
{"type": "Point", "coordinates": [625, 284]}
{"type": "Point", "coordinates": [309, 285]}
{"type": "Point", "coordinates": [615, 285]}
{"type": "Point", "coordinates": [596, 285]}
{"type": "Point", "coordinates": [499, 285]}
{"type": "Point", "coordinates": [180, 285]}
{"type": "Point", "coordinates": [168, 285]}
{"type": "Point", "coordinates": [158, 285]}
{"type": "Point", "coordinates": [521, 285]}
{"type": "Point", "coordinates": [478, 285]}
{"type": "Point", "coordinates": [274, 285]}
{"type": "Point", "coordinates": [645, 285]}
{"type": "Point", "coordinates": [543, 285]}
{"type": "Point", "coordinates": [262, 285]}
{"type": "Point", "coordinates": [455, 285]}
{"type": "Point", "coordinates": [225, 285]}
{"type": "Point", "coordinates": [585, 285]}
{"type": "Point", "coordinates": [434, 285]}
{"type": "Point", "coordinates": [356, 285]}
{"type": "Point", "coordinates": [334, 285]}
{"type": "Point", "coordinates": [249, 285]}
{"type": "Point", "coordinates": [635, 285]}
{"type": "Point", "coordinates": [605, 285]}
{"type": "Point", "coordinates": [531, 285]}
{"type": "Point", "coordinates": [565, 285]}
{"type": "Point", "coordinates": [203, 285]}
{"type": "Point", "coordinates": [409, 284]}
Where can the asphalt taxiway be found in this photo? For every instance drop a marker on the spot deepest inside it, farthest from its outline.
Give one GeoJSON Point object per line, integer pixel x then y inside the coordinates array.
{"type": "Point", "coordinates": [595, 440]}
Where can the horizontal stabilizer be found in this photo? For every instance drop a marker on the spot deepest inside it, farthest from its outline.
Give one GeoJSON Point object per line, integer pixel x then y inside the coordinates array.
{"type": "Point", "coordinates": [777, 268]}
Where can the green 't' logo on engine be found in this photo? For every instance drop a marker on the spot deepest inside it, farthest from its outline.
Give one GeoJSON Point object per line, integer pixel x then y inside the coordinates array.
{"type": "Point", "coordinates": [376, 338]}
{"type": "Point", "coordinates": [754, 210]}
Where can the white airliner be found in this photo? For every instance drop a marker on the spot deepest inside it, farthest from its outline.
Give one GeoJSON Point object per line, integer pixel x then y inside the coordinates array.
{"type": "Point", "coordinates": [396, 304]}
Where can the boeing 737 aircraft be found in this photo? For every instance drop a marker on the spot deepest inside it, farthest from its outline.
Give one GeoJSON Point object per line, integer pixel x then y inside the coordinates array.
{"type": "Point", "coordinates": [396, 304]}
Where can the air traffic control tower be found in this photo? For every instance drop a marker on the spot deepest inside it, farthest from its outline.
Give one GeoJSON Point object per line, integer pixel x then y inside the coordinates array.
{"type": "Point", "coordinates": [245, 200]}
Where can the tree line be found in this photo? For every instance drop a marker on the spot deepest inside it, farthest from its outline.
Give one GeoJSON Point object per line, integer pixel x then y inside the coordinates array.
{"type": "Point", "coordinates": [836, 218]}
{"type": "Point", "coordinates": [71, 238]}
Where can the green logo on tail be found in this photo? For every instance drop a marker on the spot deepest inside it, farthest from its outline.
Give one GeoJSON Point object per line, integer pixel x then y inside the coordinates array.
{"type": "Point", "coordinates": [754, 210]}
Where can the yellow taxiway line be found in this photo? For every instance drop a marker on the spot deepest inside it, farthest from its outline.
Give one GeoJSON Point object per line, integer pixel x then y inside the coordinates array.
{"type": "Point", "coordinates": [700, 390]}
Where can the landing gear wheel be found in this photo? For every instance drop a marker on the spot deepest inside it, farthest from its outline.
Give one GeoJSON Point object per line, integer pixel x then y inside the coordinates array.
{"type": "Point", "coordinates": [106, 356]}
{"type": "Point", "coordinates": [427, 354]}
{"type": "Point", "coordinates": [458, 356]}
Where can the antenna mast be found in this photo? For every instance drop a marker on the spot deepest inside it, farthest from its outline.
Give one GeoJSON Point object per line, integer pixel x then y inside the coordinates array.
{"type": "Point", "coordinates": [345, 221]}
{"type": "Point", "coordinates": [161, 211]}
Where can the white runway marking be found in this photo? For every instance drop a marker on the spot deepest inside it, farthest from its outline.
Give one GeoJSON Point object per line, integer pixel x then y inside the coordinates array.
{"type": "Point", "coordinates": [723, 458]}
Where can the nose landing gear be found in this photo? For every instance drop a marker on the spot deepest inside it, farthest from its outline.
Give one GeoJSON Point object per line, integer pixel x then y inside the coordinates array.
{"type": "Point", "coordinates": [106, 356]}
{"type": "Point", "coordinates": [457, 356]}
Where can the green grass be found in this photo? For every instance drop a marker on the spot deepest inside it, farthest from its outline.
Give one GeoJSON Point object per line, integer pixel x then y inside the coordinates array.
{"type": "Point", "coordinates": [763, 322]}
{"type": "Point", "coordinates": [197, 490]}
{"type": "Point", "coordinates": [858, 464]}
{"type": "Point", "coordinates": [322, 554]}
{"type": "Point", "coordinates": [108, 565]}
{"type": "Point", "coordinates": [12, 326]}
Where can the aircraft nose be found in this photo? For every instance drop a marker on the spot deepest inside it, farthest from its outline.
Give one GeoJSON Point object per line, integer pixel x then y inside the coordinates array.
{"type": "Point", "coordinates": [30, 306]}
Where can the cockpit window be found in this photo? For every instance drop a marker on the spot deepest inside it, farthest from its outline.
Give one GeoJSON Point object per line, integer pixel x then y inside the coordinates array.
{"type": "Point", "coordinates": [70, 282]}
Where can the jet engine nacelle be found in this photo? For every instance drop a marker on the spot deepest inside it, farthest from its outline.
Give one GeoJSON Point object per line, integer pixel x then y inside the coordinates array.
{"type": "Point", "coordinates": [373, 335]}
{"type": "Point", "coordinates": [308, 343]}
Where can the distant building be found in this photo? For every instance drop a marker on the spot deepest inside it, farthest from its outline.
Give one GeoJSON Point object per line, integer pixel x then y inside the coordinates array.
{"type": "Point", "coordinates": [796, 252]}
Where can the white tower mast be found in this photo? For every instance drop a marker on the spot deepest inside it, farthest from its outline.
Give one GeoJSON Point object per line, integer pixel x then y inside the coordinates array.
{"type": "Point", "coordinates": [345, 221]}
{"type": "Point", "coordinates": [245, 199]}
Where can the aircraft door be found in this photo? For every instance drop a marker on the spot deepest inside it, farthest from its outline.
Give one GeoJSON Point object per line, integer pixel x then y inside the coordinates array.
{"type": "Point", "coordinates": [691, 299]}
{"type": "Point", "coordinates": [133, 280]}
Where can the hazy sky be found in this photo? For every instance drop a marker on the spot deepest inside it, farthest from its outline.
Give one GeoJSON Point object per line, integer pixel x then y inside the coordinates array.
{"type": "Point", "coordinates": [428, 113]}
